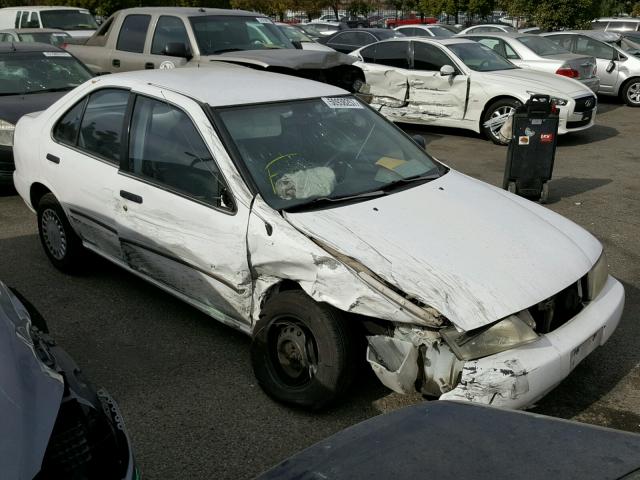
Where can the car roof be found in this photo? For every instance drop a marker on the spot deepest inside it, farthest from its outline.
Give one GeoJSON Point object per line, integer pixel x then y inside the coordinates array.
{"type": "Point", "coordinates": [224, 84]}
{"type": "Point", "coordinates": [31, 30]}
{"type": "Point", "coordinates": [499, 25]}
{"type": "Point", "coordinates": [21, 47]}
{"type": "Point", "coordinates": [499, 34]}
{"type": "Point", "coordinates": [191, 11]}
{"type": "Point", "coordinates": [617, 19]}
{"type": "Point", "coordinates": [43, 8]}
{"type": "Point", "coordinates": [440, 40]}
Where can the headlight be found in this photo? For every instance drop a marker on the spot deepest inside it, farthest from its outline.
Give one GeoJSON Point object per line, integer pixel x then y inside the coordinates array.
{"type": "Point", "coordinates": [597, 277]}
{"type": "Point", "coordinates": [560, 102]}
{"type": "Point", "coordinates": [513, 331]}
{"type": "Point", "coordinates": [6, 133]}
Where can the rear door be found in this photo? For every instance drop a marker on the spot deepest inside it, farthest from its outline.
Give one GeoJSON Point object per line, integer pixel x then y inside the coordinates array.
{"type": "Point", "coordinates": [83, 153]}
{"type": "Point", "coordinates": [130, 44]}
{"type": "Point", "coordinates": [605, 55]}
{"type": "Point", "coordinates": [431, 94]}
{"type": "Point", "coordinates": [386, 69]}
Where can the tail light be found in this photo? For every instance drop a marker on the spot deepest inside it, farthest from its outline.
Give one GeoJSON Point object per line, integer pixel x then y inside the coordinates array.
{"type": "Point", "coordinates": [568, 72]}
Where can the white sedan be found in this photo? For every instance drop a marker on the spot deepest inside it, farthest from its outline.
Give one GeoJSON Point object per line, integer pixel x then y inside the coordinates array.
{"type": "Point", "coordinates": [292, 211]}
{"type": "Point", "coordinates": [463, 84]}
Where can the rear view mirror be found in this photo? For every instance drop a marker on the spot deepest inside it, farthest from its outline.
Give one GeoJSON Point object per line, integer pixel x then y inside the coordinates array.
{"type": "Point", "coordinates": [447, 71]}
{"type": "Point", "coordinates": [177, 49]}
{"type": "Point", "coordinates": [611, 67]}
{"type": "Point", "coordinates": [420, 141]}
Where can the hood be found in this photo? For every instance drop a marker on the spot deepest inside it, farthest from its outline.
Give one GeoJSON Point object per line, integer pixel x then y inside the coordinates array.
{"type": "Point", "coordinates": [541, 82]}
{"type": "Point", "coordinates": [15, 106]}
{"type": "Point", "coordinates": [30, 393]}
{"type": "Point", "coordinates": [472, 251]}
{"type": "Point", "coordinates": [286, 58]}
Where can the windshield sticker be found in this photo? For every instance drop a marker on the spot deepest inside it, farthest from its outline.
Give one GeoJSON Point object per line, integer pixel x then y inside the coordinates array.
{"type": "Point", "coordinates": [341, 102]}
{"type": "Point", "coordinates": [263, 20]}
{"type": "Point", "coordinates": [85, 12]}
{"type": "Point", "coordinates": [56, 54]}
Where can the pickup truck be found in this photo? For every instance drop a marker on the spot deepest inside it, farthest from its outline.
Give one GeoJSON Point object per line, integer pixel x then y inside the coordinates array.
{"type": "Point", "coordinates": [165, 37]}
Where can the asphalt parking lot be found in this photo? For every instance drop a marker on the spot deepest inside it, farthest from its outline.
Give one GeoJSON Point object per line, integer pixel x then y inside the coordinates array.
{"type": "Point", "coordinates": [184, 382]}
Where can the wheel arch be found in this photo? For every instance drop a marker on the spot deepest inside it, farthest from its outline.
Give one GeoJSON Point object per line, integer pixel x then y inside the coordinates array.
{"type": "Point", "coordinates": [624, 85]}
{"type": "Point", "coordinates": [36, 192]}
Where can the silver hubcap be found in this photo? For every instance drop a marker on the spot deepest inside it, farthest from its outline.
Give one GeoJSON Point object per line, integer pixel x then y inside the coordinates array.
{"type": "Point", "coordinates": [295, 352]}
{"type": "Point", "coordinates": [53, 233]}
{"type": "Point", "coordinates": [498, 118]}
{"type": "Point", "coordinates": [633, 93]}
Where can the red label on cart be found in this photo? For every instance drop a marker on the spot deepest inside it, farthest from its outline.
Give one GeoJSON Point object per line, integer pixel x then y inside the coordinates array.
{"type": "Point", "coordinates": [546, 138]}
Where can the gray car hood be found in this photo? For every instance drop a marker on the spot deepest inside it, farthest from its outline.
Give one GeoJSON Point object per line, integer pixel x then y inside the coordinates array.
{"type": "Point", "coordinates": [286, 58]}
{"type": "Point", "coordinates": [30, 393]}
{"type": "Point", "coordinates": [472, 251]}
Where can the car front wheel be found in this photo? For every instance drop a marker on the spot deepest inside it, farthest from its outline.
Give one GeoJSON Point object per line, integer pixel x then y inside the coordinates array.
{"type": "Point", "coordinates": [61, 244]}
{"type": "Point", "coordinates": [303, 352]}
{"type": "Point", "coordinates": [631, 93]}
{"type": "Point", "coordinates": [495, 117]}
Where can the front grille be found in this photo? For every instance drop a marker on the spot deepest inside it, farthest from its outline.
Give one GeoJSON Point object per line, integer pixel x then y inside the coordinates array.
{"type": "Point", "coordinates": [578, 124]}
{"type": "Point", "coordinates": [559, 309]}
{"type": "Point", "coordinates": [585, 104]}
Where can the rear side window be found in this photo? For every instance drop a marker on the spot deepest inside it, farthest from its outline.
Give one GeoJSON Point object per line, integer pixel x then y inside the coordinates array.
{"type": "Point", "coordinates": [348, 38]}
{"type": "Point", "coordinates": [165, 147]}
{"type": "Point", "coordinates": [563, 40]}
{"type": "Point", "coordinates": [68, 127]}
{"type": "Point", "coordinates": [168, 30]}
{"type": "Point", "coordinates": [17, 22]}
{"type": "Point", "coordinates": [428, 57]}
{"type": "Point", "coordinates": [133, 33]}
{"type": "Point", "coordinates": [393, 54]}
{"type": "Point", "coordinates": [593, 48]}
{"type": "Point", "coordinates": [102, 124]}
{"type": "Point", "coordinates": [24, 20]}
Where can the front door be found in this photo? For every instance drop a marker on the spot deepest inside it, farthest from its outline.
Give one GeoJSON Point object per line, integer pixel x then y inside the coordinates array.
{"type": "Point", "coordinates": [179, 223]}
{"type": "Point", "coordinates": [432, 95]}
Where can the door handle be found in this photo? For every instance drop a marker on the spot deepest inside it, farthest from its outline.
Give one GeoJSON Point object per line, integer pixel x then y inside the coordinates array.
{"type": "Point", "coordinates": [53, 158]}
{"type": "Point", "coordinates": [149, 66]}
{"type": "Point", "coordinates": [131, 196]}
{"type": "Point", "coordinates": [115, 62]}
{"type": "Point", "coordinates": [417, 82]}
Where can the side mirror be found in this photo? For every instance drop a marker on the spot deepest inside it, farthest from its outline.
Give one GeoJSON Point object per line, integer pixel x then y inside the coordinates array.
{"type": "Point", "coordinates": [611, 67]}
{"type": "Point", "coordinates": [420, 141]}
{"type": "Point", "coordinates": [297, 44]}
{"type": "Point", "coordinates": [447, 71]}
{"type": "Point", "coordinates": [177, 49]}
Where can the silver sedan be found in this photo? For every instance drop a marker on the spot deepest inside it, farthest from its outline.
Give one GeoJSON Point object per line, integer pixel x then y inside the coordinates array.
{"type": "Point", "coordinates": [538, 53]}
{"type": "Point", "coordinates": [617, 58]}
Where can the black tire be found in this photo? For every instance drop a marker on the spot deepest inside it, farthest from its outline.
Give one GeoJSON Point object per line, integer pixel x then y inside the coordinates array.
{"type": "Point", "coordinates": [37, 320]}
{"type": "Point", "coordinates": [503, 104]}
{"type": "Point", "coordinates": [329, 338]}
{"type": "Point", "coordinates": [52, 221]}
{"type": "Point", "coordinates": [631, 92]}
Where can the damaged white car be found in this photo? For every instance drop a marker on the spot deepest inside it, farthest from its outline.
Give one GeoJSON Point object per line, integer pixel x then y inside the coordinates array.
{"type": "Point", "coordinates": [463, 84]}
{"type": "Point", "coordinates": [309, 223]}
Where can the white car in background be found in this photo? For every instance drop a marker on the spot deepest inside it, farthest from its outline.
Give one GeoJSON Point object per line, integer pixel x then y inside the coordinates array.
{"type": "Point", "coordinates": [426, 30]}
{"type": "Point", "coordinates": [539, 53]}
{"type": "Point", "coordinates": [292, 211]}
{"type": "Point", "coordinates": [461, 83]}
{"type": "Point", "coordinates": [488, 29]}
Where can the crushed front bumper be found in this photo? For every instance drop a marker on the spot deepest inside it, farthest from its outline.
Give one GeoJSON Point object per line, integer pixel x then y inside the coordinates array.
{"type": "Point", "coordinates": [519, 377]}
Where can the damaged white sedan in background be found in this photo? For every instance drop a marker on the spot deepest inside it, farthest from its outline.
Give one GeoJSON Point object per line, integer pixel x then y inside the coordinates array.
{"type": "Point", "coordinates": [310, 222]}
{"type": "Point", "coordinates": [459, 83]}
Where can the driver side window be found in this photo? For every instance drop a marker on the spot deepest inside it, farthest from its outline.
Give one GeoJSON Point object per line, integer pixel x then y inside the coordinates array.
{"type": "Point", "coordinates": [166, 149]}
{"type": "Point", "coordinates": [168, 30]}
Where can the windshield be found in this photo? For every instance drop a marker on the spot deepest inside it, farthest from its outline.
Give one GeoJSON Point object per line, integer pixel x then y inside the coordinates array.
{"type": "Point", "coordinates": [68, 19]}
{"type": "Point", "coordinates": [33, 72]}
{"type": "Point", "coordinates": [56, 39]}
{"type": "Point", "coordinates": [542, 46]}
{"type": "Point", "coordinates": [326, 148]}
{"type": "Point", "coordinates": [480, 58]}
{"type": "Point", "coordinates": [222, 33]}
{"type": "Point", "coordinates": [295, 34]}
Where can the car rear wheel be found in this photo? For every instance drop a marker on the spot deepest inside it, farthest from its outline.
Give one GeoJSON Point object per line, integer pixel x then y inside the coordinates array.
{"type": "Point", "coordinates": [495, 116]}
{"type": "Point", "coordinates": [303, 352]}
{"type": "Point", "coordinates": [61, 244]}
{"type": "Point", "coordinates": [631, 93]}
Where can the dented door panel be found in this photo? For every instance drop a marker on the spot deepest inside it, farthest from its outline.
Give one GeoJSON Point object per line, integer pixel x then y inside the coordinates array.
{"type": "Point", "coordinates": [432, 96]}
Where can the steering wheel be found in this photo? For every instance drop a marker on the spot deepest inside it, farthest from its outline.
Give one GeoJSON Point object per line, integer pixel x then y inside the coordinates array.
{"type": "Point", "coordinates": [338, 165]}
{"type": "Point", "coordinates": [484, 63]}
{"type": "Point", "coordinates": [257, 43]}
